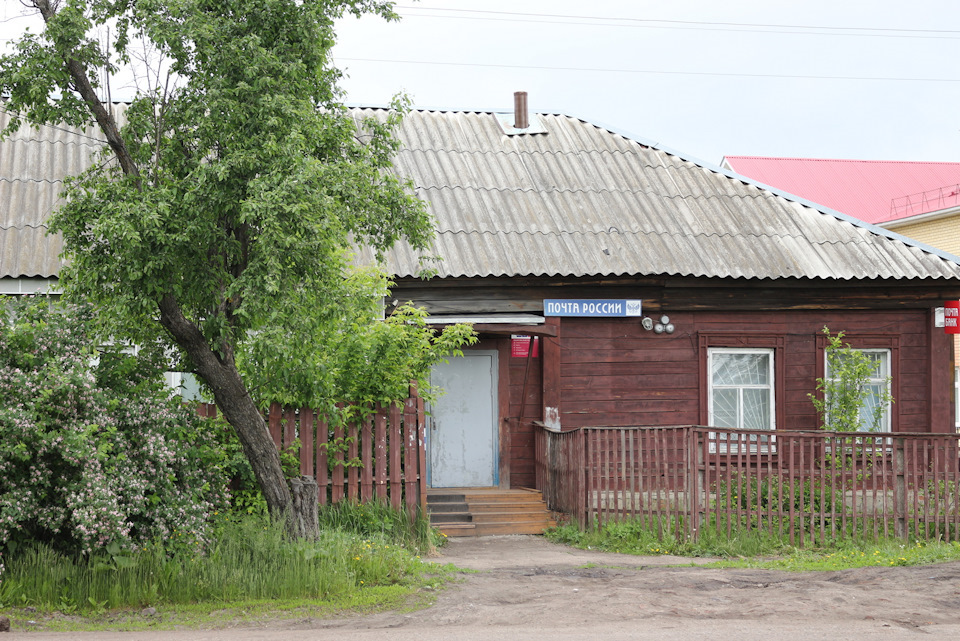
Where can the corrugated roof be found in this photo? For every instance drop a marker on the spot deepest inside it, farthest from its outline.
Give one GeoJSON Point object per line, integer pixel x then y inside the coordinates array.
{"type": "Point", "coordinates": [583, 200]}
{"type": "Point", "coordinates": [876, 191]}
{"type": "Point", "coordinates": [578, 200]}
{"type": "Point", "coordinates": [33, 165]}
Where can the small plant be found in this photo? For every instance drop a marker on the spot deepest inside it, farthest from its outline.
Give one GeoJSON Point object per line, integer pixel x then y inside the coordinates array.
{"type": "Point", "coordinates": [845, 404]}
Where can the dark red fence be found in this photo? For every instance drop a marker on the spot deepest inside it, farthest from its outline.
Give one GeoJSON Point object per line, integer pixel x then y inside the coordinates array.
{"type": "Point", "coordinates": [379, 457]}
{"type": "Point", "coordinates": [809, 487]}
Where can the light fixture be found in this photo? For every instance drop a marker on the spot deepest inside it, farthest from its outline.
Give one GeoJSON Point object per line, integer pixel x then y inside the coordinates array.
{"type": "Point", "coordinates": [659, 327]}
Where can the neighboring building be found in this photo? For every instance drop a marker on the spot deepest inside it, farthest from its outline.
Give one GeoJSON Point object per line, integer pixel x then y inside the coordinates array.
{"type": "Point", "coordinates": [735, 284]}
{"type": "Point", "coordinates": [917, 199]}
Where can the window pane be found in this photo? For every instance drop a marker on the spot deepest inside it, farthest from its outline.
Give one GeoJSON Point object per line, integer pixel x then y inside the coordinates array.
{"type": "Point", "coordinates": [725, 407]}
{"type": "Point", "coordinates": [871, 415]}
{"type": "Point", "coordinates": [756, 409]}
{"type": "Point", "coordinates": [741, 369]}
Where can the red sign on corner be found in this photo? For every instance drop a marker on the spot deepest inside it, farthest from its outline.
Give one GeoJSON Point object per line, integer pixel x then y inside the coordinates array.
{"type": "Point", "coordinates": [520, 346]}
{"type": "Point", "coordinates": [951, 317]}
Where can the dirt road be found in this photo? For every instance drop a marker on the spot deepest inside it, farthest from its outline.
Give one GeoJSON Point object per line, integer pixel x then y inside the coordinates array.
{"type": "Point", "coordinates": [527, 588]}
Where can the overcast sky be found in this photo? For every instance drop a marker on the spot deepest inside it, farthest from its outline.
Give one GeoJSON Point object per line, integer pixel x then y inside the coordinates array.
{"type": "Point", "coordinates": [875, 79]}
{"type": "Point", "coordinates": [810, 78]}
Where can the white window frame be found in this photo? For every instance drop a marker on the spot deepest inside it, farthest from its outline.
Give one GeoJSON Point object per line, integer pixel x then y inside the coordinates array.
{"type": "Point", "coordinates": [885, 378]}
{"type": "Point", "coordinates": [956, 397]}
{"type": "Point", "coordinates": [770, 386]}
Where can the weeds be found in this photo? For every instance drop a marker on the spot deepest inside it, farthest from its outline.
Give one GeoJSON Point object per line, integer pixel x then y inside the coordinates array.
{"type": "Point", "coordinates": [249, 558]}
{"type": "Point", "coordinates": [756, 549]}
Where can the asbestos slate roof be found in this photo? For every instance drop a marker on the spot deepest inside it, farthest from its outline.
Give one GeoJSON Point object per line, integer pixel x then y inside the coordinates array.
{"type": "Point", "coordinates": [578, 200]}
{"type": "Point", "coordinates": [582, 200]}
{"type": "Point", "coordinates": [33, 165]}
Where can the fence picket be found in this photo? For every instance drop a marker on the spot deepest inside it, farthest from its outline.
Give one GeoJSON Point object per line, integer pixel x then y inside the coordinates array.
{"type": "Point", "coordinates": [366, 459]}
{"type": "Point", "coordinates": [807, 486]}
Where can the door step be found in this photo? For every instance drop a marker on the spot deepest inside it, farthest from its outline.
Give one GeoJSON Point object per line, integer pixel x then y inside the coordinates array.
{"type": "Point", "coordinates": [483, 511]}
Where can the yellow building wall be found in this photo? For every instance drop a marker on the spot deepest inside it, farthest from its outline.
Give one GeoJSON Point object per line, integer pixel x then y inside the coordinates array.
{"type": "Point", "coordinates": [942, 233]}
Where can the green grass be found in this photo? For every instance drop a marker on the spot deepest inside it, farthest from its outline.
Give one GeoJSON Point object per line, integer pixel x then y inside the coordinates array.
{"type": "Point", "coordinates": [753, 549]}
{"type": "Point", "coordinates": [366, 558]}
{"type": "Point", "coordinates": [633, 537]}
{"type": "Point", "coordinates": [214, 615]}
{"type": "Point", "coordinates": [887, 553]}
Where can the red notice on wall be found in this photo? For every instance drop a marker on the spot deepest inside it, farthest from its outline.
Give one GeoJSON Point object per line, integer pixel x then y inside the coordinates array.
{"type": "Point", "coordinates": [520, 346]}
{"type": "Point", "coordinates": [951, 317]}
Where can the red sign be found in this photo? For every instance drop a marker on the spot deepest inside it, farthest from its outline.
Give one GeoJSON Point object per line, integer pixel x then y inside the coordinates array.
{"type": "Point", "coordinates": [951, 317]}
{"type": "Point", "coordinates": [520, 346]}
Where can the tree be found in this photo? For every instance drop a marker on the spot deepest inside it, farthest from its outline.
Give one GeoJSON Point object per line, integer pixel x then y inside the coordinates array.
{"type": "Point", "coordinates": [230, 193]}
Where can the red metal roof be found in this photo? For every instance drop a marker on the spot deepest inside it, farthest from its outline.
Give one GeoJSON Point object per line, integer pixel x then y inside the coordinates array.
{"type": "Point", "coordinates": [875, 191]}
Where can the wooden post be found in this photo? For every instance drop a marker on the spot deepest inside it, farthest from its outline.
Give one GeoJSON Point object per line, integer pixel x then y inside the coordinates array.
{"type": "Point", "coordinates": [551, 377]}
{"type": "Point", "coordinates": [336, 490]}
{"type": "Point", "coordinates": [421, 445]}
{"type": "Point", "coordinates": [289, 427]}
{"type": "Point", "coordinates": [380, 466]}
{"type": "Point", "coordinates": [899, 489]}
{"type": "Point", "coordinates": [273, 423]}
{"type": "Point", "coordinates": [411, 493]}
{"type": "Point", "coordinates": [321, 465]}
{"type": "Point", "coordinates": [306, 441]}
{"type": "Point", "coordinates": [698, 492]}
{"type": "Point", "coordinates": [396, 448]}
{"type": "Point", "coordinates": [353, 474]}
{"type": "Point", "coordinates": [366, 459]}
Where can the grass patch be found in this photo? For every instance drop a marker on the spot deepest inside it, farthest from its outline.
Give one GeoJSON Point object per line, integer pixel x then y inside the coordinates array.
{"type": "Point", "coordinates": [633, 537]}
{"type": "Point", "coordinates": [887, 553]}
{"type": "Point", "coordinates": [753, 549]}
{"type": "Point", "coordinates": [365, 559]}
{"type": "Point", "coordinates": [237, 613]}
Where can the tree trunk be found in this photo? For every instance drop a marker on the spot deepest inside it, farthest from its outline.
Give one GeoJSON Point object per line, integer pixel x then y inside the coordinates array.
{"type": "Point", "coordinates": [230, 393]}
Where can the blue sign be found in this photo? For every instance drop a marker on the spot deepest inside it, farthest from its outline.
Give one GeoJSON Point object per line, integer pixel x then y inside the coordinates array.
{"type": "Point", "coordinates": [598, 307]}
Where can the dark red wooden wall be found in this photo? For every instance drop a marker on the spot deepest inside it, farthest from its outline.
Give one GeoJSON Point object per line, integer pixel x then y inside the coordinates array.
{"type": "Point", "coordinates": [615, 373]}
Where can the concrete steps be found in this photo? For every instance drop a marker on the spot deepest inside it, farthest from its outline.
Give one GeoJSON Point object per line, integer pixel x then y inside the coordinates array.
{"type": "Point", "coordinates": [483, 511]}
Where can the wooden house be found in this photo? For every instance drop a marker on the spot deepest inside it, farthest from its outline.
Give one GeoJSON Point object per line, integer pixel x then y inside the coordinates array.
{"type": "Point", "coordinates": [683, 293]}
{"type": "Point", "coordinates": [655, 290]}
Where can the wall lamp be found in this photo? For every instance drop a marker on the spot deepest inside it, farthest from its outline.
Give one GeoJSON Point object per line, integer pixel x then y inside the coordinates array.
{"type": "Point", "coordinates": [659, 327]}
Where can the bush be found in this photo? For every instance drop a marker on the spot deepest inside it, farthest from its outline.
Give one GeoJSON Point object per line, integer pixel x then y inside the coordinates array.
{"type": "Point", "coordinates": [93, 448]}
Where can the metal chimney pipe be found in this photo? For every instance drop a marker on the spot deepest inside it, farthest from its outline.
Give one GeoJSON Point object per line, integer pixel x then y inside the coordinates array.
{"type": "Point", "coordinates": [520, 110]}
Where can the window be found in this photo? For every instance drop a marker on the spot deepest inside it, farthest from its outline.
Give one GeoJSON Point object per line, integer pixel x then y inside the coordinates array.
{"type": "Point", "coordinates": [875, 412]}
{"type": "Point", "coordinates": [956, 397]}
{"type": "Point", "coordinates": [741, 388]}
{"type": "Point", "coordinates": [741, 393]}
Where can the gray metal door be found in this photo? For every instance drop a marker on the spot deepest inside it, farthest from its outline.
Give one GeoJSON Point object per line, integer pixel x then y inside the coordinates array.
{"type": "Point", "coordinates": [463, 435]}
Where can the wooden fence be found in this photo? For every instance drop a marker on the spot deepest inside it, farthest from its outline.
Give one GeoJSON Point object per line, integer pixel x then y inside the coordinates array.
{"type": "Point", "coordinates": [381, 457]}
{"type": "Point", "coordinates": [809, 487]}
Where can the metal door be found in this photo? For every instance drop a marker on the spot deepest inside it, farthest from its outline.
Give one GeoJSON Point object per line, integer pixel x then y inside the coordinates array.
{"type": "Point", "coordinates": [463, 435]}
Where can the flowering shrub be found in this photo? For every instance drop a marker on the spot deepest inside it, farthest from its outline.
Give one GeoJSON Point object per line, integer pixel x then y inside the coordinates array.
{"type": "Point", "coordinates": [93, 449]}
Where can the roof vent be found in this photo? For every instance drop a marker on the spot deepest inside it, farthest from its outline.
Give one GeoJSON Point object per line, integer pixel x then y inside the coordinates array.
{"type": "Point", "coordinates": [520, 121]}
